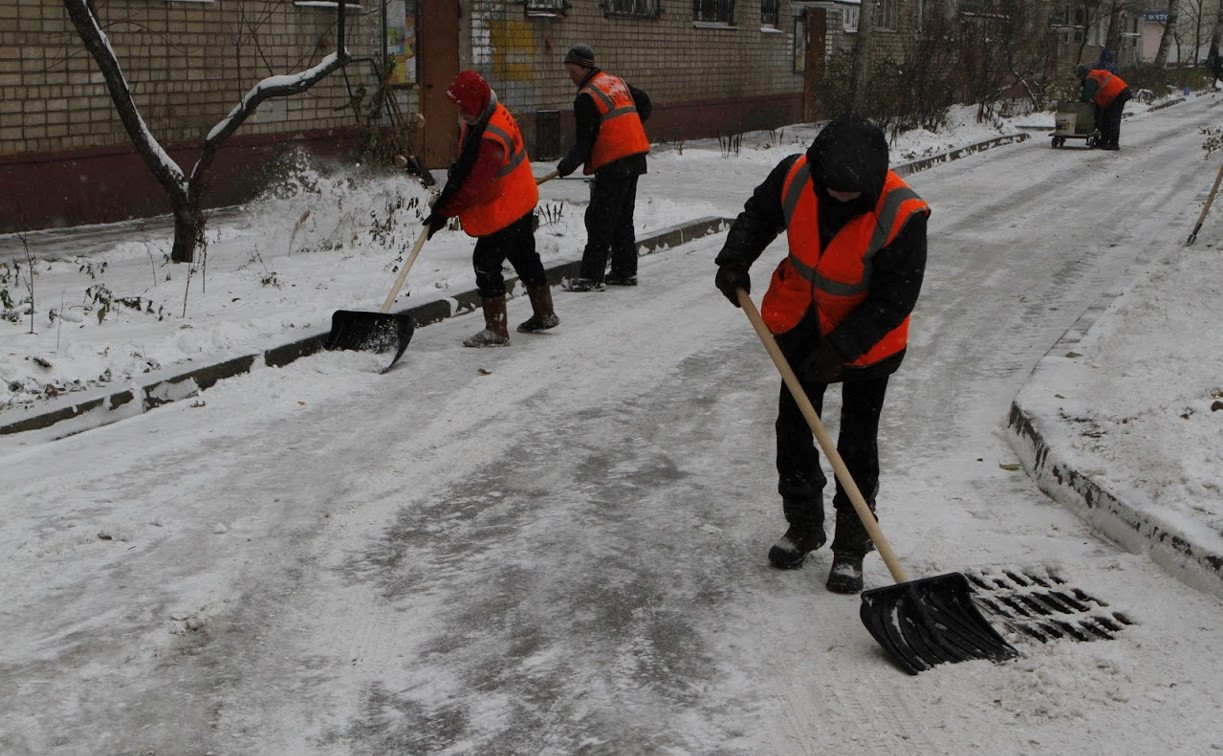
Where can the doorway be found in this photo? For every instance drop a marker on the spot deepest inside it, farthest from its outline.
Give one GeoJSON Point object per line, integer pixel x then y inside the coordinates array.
{"type": "Point", "coordinates": [438, 38]}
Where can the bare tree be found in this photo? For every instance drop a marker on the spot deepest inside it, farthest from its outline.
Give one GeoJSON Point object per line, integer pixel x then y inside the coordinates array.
{"type": "Point", "coordinates": [186, 191]}
{"type": "Point", "coordinates": [1005, 48]}
{"type": "Point", "coordinates": [1165, 40]}
{"type": "Point", "coordinates": [1212, 57]}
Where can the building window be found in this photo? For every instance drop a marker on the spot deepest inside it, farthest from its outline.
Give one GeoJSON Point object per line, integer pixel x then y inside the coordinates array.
{"type": "Point", "coordinates": [885, 15]}
{"type": "Point", "coordinates": [641, 8]}
{"type": "Point", "coordinates": [800, 43]}
{"type": "Point", "coordinates": [348, 7]}
{"type": "Point", "coordinates": [770, 13]}
{"type": "Point", "coordinates": [545, 8]}
{"type": "Point", "coordinates": [849, 18]}
{"type": "Point", "coordinates": [714, 11]}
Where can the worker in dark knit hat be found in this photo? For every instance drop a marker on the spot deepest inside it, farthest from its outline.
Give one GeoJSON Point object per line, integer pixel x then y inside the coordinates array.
{"type": "Point", "coordinates": [611, 144]}
{"type": "Point", "coordinates": [581, 55]}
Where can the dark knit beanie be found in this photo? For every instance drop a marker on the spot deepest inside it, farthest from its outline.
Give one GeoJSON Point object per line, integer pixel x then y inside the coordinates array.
{"type": "Point", "coordinates": [581, 55]}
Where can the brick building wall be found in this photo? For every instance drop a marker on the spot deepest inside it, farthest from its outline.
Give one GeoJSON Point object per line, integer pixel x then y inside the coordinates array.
{"type": "Point", "coordinates": [63, 149]}
{"type": "Point", "coordinates": [704, 79]}
{"type": "Point", "coordinates": [187, 65]}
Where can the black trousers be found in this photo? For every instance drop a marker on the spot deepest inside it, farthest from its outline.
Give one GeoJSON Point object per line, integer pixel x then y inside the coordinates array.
{"type": "Point", "coordinates": [800, 478]}
{"type": "Point", "coordinates": [1110, 121]}
{"type": "Point", "coordinates": [609, 226]}
{"type": "Point", "coordinates": [515, 243]}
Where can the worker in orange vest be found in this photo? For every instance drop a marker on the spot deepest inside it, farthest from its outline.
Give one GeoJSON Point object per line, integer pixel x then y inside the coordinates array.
{"type": "Point", "coordinates": [1109, 93]}
{"type": "Point", "coordinates": [611, 144]}
{"type": "Point", "coordinates": [839, 305]}
{"type": "Point", "coordinates": [491, 189]}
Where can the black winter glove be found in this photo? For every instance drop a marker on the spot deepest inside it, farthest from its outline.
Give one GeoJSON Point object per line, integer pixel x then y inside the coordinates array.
{"type": "Point", "coordinates": [823, 364]}
{"type": "Point", "coordinates": [435, 223]}
{"type": "Point", "coordinates": [564, 169]}
{"type": "Point", "coordinates": [732, 277]}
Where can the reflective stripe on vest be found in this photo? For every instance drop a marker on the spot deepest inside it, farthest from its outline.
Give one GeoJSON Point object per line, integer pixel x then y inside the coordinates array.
{"type": "Point", "coordinates": [1108, 86]}
{"type": "Point", "coordinates": [513, 192]}
{"type": "Point", "coordinates": [518, 151]}
{"type": "Point", "coordinates": [620, 131]}
{"type": "Point", "coordinates": [836, 279]}
{"type": "Point", "coordinates": [887, 212]}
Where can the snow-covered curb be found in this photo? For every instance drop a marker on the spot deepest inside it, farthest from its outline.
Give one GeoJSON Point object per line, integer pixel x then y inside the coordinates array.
{"type": "Point", "coordinates": [79, 412]}
{"type": "Point", "coordinates": [1131, 527]}
{"type": "Point", "coordinates": [83, 411]}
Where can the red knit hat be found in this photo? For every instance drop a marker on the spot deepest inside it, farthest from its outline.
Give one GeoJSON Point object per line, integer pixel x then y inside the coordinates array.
{"type": "Point", "coordinates": [470, 92]}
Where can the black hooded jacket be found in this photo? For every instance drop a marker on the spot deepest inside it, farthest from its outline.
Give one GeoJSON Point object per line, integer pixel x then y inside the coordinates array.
{"type": "Point", "coordinates": [586, 127]}
{"type": "Point", "coordinates": [849, 155]}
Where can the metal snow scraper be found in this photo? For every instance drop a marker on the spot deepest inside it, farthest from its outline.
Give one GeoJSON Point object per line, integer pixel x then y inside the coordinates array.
{"type": "Point", "coordinates": [377, 331]}
{"type": "Point", "coordinates": [922, 622]}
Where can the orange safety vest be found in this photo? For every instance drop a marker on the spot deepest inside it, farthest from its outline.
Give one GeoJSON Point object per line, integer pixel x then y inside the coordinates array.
{"type": "Point", "coordinates": [513, 192]}
{"type": "Point", "coordinates": [620, 131]}
{"type": "Point", "coordinates": [836, 279]}
{"type": "Point", "coordinates": [1108, 86]}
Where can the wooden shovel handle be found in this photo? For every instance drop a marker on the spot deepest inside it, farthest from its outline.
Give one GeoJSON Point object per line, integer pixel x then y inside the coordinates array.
{"type": "Point", "coordinates": [821, 435]}
{"type": "Point", "coordinates": [1206, 208]}
{"type": "Point", "coordinates": [403, 272]}
{"type": "Point", "coordinates": [547, 177]}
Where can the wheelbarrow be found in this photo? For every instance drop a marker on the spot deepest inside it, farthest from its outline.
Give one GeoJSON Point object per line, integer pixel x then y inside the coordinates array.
{"type": "Point", "coordinates": [1075, 120]}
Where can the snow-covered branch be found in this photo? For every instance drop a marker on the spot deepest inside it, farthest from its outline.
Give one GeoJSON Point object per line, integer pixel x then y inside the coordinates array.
{"type": "Point", "coordinates": [273, 86]}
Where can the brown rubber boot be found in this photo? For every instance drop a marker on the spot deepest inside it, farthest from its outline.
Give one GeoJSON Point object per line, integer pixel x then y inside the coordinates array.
{"type": "Point", "coordinates": [544, 317]}
{"type": "Point", "coordinates": [495, 332]}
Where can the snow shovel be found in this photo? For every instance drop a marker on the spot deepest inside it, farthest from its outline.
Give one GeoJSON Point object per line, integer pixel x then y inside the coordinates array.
{"type": "Point", "coordinates": [922, 622]}
{"type": "Point", "coordinates": [377, 331]}
{"type": "Point", "coordinates": [547, 177]}
{"type": "Point", "coordinates": [1206, 208]}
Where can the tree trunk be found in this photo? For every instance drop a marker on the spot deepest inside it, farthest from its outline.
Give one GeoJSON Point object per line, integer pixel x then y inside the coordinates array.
{"type": "Point", "coordinates": [1112, 38]}
{"type": "Point", "coordinates": [1165, 40]}
{"type": "Point", "coordinates": [1212, 59]}
{"type": "Point", "coordinates": [863, 47]}
{"type": "Point", "coordinates": [188, 228]}
{"type": "Point", "coordinates": [186, 192]}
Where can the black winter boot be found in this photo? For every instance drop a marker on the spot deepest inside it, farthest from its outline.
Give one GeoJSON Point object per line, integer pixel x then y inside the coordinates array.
{"type": "Point", "coordinates": [846, 574]}
{"type": "Point", "coordinates": [545, 316]}
{"type": "Point", "coordinates": [495, 332]}
{"type": "Point", "coordinates": [805, 534]}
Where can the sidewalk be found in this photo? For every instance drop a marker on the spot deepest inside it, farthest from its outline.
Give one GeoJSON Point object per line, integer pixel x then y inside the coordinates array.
{"type": "Point", "coordinates": [1060, 443]}
{"type": "Point", "coordinates": [80, 411]}
{"type": "Point", "coordinates": [1110, 424]}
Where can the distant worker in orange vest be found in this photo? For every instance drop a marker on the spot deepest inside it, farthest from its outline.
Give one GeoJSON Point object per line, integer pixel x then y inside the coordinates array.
{"type": "Point", "coordinates": [491, 189]}
{"type": "Point", "coordinates": [611, 143]}
{"type": "Point", "coordinates": [1110, 93]}
{"type": "Point", "coordinates": [839, 305]}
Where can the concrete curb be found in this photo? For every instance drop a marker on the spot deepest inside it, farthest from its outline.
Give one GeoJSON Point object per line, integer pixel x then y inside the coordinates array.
{"type": "Point", "coordinates": [80, 412]}
{"type": "Point", "coordinates": [1136, 530]}
{"type": "Point", "coordinates": [956, 154]}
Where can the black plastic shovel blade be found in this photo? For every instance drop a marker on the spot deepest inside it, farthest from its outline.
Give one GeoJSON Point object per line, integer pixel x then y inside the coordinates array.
{"type": "Point", "coordinates": [930, 621]}
{"type": "Point", "coordinates": [372, 332]}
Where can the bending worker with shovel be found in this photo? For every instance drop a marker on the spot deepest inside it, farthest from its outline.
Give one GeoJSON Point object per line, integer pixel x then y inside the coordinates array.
{"type": "Point", "coordinates": [839, 307]}
{"type": "Point", "coordinates": [492, 191]}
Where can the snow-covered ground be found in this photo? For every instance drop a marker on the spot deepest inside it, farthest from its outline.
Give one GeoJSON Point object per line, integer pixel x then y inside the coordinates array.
{"type": "Point", "coordinates": [559, 547]}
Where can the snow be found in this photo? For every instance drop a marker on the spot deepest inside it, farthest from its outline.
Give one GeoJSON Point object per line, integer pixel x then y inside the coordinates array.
{"type": "Point", "coordinates": [558, 547]}
{"type": "Point", "coordinates": [276, 82]}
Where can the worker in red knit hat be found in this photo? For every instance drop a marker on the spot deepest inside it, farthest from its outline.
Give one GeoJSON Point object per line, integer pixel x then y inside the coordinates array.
{"type": "Point", "coordinates": [491, 189]}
